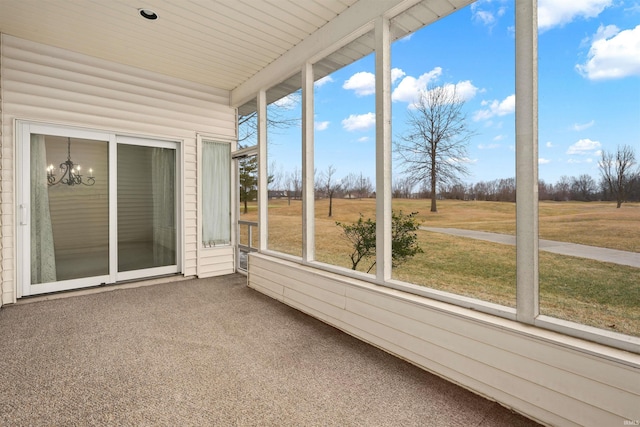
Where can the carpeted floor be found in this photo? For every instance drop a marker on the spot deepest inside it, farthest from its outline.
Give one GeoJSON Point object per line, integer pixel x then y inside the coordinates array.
{"type": "Point", "coordinates": [210, 352]}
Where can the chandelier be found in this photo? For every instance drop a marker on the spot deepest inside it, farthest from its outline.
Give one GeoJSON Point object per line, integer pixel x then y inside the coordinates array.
{"type": "Point", "coordinates": [70, 172]}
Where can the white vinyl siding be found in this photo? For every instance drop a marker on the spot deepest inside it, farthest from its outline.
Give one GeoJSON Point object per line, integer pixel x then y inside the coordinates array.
{"type": "Point", "coordinates": [50, 85]}
{"type": "Point", "coordinates": [553, 378]}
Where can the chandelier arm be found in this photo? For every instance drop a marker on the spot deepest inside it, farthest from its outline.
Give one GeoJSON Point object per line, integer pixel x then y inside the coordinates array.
{"type": "Point", "coordinates": [69, 176]}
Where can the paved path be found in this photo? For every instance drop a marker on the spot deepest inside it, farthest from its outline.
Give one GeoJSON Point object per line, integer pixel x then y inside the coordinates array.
{"type": "Point", "coordinates": [572, 249]}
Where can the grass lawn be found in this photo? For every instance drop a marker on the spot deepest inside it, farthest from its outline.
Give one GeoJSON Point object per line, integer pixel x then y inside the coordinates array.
{"type": "Point", "coordinates": [585, 291]}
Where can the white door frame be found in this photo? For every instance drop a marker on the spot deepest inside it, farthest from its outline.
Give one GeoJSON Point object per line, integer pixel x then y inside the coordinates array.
{"type": "Point", "coordinates": [113, 260]}
{"type": "Point", "coordinates": [23, 131]}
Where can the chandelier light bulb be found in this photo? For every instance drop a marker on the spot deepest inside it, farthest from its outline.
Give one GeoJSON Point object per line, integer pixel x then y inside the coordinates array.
{"type": "Point", "coordinates": [70, 172]}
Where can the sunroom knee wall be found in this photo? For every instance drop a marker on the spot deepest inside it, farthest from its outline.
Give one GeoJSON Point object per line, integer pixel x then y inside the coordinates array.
{"type": "Point", "coordinates": [546, 376]}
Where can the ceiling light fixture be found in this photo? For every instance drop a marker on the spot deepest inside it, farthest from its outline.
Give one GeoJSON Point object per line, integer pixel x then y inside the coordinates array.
{"type": "Point", "coordinates": [148, 14]}
{"type": "Point", "coordinates": [70, 172]}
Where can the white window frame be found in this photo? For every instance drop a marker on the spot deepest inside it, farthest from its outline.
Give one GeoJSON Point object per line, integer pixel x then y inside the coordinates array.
{"type": "Point", "coordinates": [527, 287]}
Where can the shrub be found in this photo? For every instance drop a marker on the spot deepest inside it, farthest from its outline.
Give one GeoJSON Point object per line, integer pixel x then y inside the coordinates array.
{"type": "Point", "coordinates": [362, 237]}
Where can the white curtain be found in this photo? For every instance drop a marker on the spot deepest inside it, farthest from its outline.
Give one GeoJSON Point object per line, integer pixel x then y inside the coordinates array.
{"type": "Point", "coordinates": [216, 193]}
{"type": "Point", "coordinates": [43, 260]}
{"type": "Point", "coordinates": [163, 191]}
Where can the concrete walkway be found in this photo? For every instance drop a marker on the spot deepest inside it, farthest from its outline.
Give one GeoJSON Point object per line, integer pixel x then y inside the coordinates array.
{"type": "Point", "coordinates": [572, 249]}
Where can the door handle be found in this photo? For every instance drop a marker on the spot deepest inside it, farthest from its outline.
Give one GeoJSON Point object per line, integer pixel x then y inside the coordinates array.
{"type": "Point", "coordinates": [24, 214]}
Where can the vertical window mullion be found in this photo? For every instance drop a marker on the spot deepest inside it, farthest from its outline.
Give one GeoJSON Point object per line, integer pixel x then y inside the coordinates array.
{"type": "Point", "coordinates": [383, 150]}
{"type": "Point", "coordinates": [308, 199]}
{"type": "Point", "coordinates": [263, 193]}
{"type": "Point", "coordinates": [527, 300]}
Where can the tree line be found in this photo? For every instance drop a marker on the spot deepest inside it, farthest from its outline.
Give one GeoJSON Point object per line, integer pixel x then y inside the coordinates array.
{"type": "Point", "coordinates": [583, 188]}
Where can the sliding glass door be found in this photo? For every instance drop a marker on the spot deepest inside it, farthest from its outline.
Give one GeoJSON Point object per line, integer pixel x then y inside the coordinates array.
{"type": "Point", "coordinates": [93, 208]}
{"type": "Point", "coordinates": [147, 209]}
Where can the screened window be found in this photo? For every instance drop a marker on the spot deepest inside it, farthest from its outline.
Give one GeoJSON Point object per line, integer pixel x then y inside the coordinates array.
{"type": "Point", "coordinates": [216, 193]}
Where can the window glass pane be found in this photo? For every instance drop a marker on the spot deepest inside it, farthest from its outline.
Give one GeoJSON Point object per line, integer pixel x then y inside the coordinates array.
{"type": "Point", "coordinates": [284, 167]}
{"type": "Point", "coordinates": [248, 124]}
{"type": "Point", "coordinates": [69, 217]}
{"type": "Point", "coordinates": [345, 158]}
{"type": "Point", "coordinates": [453, 154]}
{"type": "Point", "coordinates": [216, 196]}
{"type": "Point", "coordinates": [146, 207]}
{"type": "Point", "coordinates": [588, 129]}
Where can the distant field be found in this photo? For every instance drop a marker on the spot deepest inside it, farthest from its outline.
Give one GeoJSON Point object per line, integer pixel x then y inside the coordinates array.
{"type": "Point", "coordinates": [595, 293]}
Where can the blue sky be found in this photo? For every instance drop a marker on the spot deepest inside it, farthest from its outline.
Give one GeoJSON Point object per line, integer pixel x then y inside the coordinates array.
{"type": "Point", "coordinates": [589, 90]}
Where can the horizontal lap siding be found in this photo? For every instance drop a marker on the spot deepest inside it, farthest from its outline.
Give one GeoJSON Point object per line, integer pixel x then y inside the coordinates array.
{"type": "Point", "coordinates": [216, 261]}
{"type": "Point", "coordinates": [534, 372]}
{"type": "Point", "coordinates": [51, 85]}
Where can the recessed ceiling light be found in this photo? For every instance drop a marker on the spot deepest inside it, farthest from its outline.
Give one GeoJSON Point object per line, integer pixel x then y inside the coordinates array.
{"type": "Point", "coordinates": [148, 14]}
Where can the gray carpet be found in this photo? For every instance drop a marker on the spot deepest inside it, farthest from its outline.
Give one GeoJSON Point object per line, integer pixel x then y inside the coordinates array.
{"type": "Point", "coordinates": [210, 352]}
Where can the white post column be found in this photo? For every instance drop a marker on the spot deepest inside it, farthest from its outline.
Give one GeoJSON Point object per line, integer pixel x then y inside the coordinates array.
{"type": "Point", "coordinates": [383, 150]}
{"type": "Point", "coordinates": [308, 200]}
{"type": "Point", "coordinates": [527, 299]}
{"type": "Point", "coordinates": [263, 193]}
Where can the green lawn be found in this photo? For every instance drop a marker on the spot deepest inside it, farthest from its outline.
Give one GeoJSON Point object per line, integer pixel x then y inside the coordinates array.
{"type": "Point", "coordinates": [594, 293]}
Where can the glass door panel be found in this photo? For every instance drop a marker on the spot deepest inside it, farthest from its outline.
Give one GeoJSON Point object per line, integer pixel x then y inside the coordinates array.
{"type": "Point", "coordinates": [93, 208]}
{"type": "Point", "coordinates": [146, 207]}
{"type": "Point", "coordinates": [69, 209]}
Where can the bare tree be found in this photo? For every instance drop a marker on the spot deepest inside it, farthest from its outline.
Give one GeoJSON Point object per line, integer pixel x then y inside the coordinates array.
{"type": "Point", "coordinates": [278, 118]}
{"type": "Point", "coordinates": [348, 184]}
{"type": "Point", "coordinates": [434, 149]}
{"type": "Point", "coordinates": [619, 174]}
{"type": "Point", "coordinates": [402, 188]}
{"type": "Point", "coordinates": [330, 186]}
{"type": "Point", "coordinates": [277, 176]}
{"type": "Point", "coordinates": [562, 189]}
{"type": "Point", "coordinates": [364, 186]}
{"type": "Point", "coordinates": [293, 183]}
{"type": "Point", "coordinates": [583, 188]}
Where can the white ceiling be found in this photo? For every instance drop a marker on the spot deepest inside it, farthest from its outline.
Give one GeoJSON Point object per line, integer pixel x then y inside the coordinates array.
{"type": "Point", "coordinates": [219, 43]}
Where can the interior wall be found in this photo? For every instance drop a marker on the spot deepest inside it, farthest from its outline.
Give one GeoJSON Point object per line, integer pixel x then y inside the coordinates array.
{"type": "Point", "coordinates": [51, 85]}
{"type": "Point", "coordinates": [134, 185]}
{"type": "Point", "coordinates": [555, 379]}
{"type": "Point", "coordinates": [79, 214]}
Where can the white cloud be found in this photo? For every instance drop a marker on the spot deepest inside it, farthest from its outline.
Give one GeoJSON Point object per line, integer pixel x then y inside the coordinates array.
{"type": "Point", "coordinates": [555, 13]}
{"type": "Point", "coordinates": [363, 139]}
{"type": "Point", "coordinates": [465, 90]}
{"type": "Point", "coordinates": [496, 108]}
{"type": "Point", "coordinates": [409, 88]}
{"type": "Point", "coordinates": [288, 102]}
{"type": "Point", "coordinates": [583, 126]}
{"type": "Point", "coordinates": [484, 12]}
{"type": "Point", "coordinates": [584, 147]}
{"type": "Point", "coordinates": [363, 83]}
{"type": "Point", "coordinates": [542, 161]}
{"type": "Point", "coordinates": [579, 161]}
{"type": "Point", "coordinates": [397, 73]}
{"type": "Point", "coordinates": [613, 54]}
{"type": "Point", "coordinates": [486, 17]}
{"type": "Point", "coordinates": [461, 160]}
{"type": "Point", "coordinates": [321, 125]}
{"type": "Point", "coordinates": [323, 81]}
{"type": "Point", "coordinates": [499, 137]}
{"type": "Point", "coordinates": [488, 146]}
{"type": "Point", "coordinates": [549, 144]}
{"type": "Point", "coordinates": [359, 122]}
